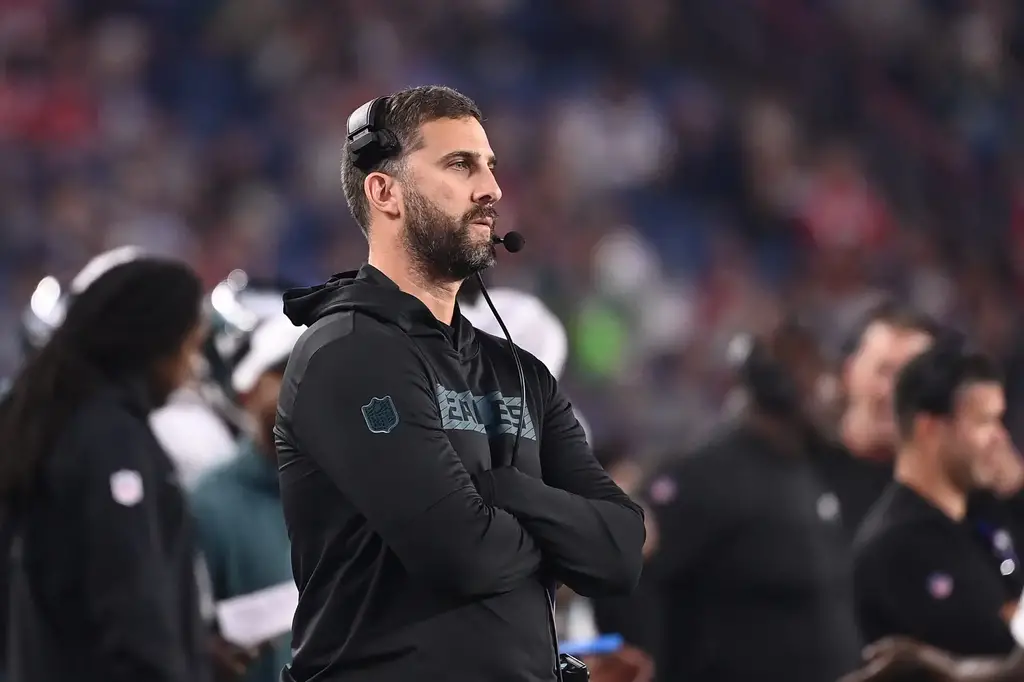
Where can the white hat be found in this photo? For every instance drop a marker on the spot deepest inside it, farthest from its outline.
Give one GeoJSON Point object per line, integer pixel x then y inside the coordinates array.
{"type": "Point", "coordinates": [271, 344]}
{"type": "Point", "coordinates": [531, 324]}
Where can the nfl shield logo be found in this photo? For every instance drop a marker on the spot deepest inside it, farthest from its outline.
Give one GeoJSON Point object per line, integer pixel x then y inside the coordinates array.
{"type": "Point", "coordinates": [663, 490]}
{"type": "Point", "coordinates": [380, 415]}
{"type": "Point", "coordinates": [126, 487]}
{"type": "Point", "coordinates": [940, 585]}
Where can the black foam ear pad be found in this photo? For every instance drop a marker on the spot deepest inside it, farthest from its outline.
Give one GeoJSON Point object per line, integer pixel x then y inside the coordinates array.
{"type": "Point", "coordinates": [369, 141]}
{"type": "Point", "coordinates": [387, 141]}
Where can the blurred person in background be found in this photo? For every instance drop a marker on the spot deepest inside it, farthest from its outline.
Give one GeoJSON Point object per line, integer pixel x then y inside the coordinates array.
{"type": "Point", "coordinates": [888, 337]}
{"type": "Point", "coordinates": [859, 469]}
{"type": "Point", "coordinates": [919, 570]}
{"type": "Point", "coordinates": [902, 659]}
{"type": "Point", "coordinates": [48, 303]}
{"type": "Point", "coordinates": [238, 504]}
{"type": "Point", "coordinates": [103, 580]}
{"type": "Point", "coordinates": [201, 422]}
{"type": "Point", "coordinates": [751, 564]}
{"type": "Point", "coordinates": [858, 473]}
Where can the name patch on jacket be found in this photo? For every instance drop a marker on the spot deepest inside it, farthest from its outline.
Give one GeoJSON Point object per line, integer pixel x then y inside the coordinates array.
{"type": "Point", "coordinates": [492, 413]}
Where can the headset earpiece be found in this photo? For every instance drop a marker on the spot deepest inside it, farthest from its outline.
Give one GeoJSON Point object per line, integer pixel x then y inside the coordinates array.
{"type": "Point", "coordinates": [770, 386]}
{"type": "Point", "coordinates": [369, 142]}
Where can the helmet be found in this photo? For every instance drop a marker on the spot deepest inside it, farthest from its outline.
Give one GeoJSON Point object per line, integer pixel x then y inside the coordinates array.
{"type": "Point", "coordinates": [235, 307]}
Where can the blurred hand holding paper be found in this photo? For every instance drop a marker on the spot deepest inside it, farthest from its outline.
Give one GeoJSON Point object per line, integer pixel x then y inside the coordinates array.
{"type": "Point", "coordinates": [251, 619]}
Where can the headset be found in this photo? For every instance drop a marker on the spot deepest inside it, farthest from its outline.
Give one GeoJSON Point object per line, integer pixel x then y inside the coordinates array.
{"type": "Point", "coordinates": [769, 383]}
{"type": "Point", "coordinates": [370, 143]}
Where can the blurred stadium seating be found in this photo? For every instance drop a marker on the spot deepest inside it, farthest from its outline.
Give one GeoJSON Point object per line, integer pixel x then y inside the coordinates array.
{"type": "Point", "coordinates": [681, 170]}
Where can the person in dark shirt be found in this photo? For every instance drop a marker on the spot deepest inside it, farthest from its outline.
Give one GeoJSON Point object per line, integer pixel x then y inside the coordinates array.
{"type": "Point", "coordinates": [103, 584]}
{"type": "Point", "coordinates": [919, 570]}
{"type": "Point", "coordinates": [435, 486]}
{"type": "Point", "coordinates": [751, 564]}
{"type": "Point", "coordinates": [858, 468]}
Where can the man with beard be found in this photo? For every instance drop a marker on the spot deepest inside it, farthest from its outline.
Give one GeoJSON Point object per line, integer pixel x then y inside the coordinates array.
{"type": "Point", "coordinates": [858, 471]}
{"type": "Point", "coordinates": [237, 505]}
{"type": "Point", "coordinates": [859, 468]}
{"type": "Point", "coordinates": [434, 491]}
{"type": "Point", "coordinates": [919, 570]}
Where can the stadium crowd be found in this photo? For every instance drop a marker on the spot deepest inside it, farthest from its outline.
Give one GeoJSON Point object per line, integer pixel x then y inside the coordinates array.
{"type": "Point", "coordinates": [681, 169]}
{"type": "Point", "coordinates": [683, 172]}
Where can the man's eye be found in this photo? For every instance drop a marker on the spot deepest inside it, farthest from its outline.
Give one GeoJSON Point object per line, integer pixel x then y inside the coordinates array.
{"type": "Point", "coordinates": [460, 165]}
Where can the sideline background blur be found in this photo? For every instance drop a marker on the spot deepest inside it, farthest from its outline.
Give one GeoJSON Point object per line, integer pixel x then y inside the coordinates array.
{"type": "Point", "coordinates": [681, 170]}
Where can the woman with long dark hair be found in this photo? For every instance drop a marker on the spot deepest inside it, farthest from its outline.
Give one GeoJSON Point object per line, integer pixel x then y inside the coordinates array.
{"type": "Point", "coordinates": [103, 584]}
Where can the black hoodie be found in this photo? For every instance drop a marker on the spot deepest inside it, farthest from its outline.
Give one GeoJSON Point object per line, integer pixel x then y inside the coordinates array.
{"type": "Point", "coordinates": [421, 552]}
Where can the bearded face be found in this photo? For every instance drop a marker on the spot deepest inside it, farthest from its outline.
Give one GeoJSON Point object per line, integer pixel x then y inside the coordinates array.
{"type": "Point", "coordinates": [447, 248]}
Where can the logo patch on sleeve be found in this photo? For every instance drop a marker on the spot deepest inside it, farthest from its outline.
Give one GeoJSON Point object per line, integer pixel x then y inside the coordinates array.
{"type": "Point", "coordinates": [940, 585]}
{"type": "Point", "coordinates": [380, 415]}
{"type": "Point", "coordinates": [663, 490]}
{"type": "Point", "coordinates": [126, 487]}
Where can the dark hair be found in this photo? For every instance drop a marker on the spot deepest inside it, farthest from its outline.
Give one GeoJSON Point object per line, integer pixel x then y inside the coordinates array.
{"type": "Point", "coordinates": [767, 365]}
{"type": "Point", "coordinates": [893, 314]}
{"type": "Point", "coordinates": [405, 113]}
{"type": "Point", "coordinates": [130, 317]}
{"type": "Point", "coordinates": [929, 383]}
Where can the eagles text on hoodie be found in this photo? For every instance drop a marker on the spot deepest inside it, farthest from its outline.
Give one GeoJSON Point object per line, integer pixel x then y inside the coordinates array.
{"type": "Point", "coordinates": [420, 549]}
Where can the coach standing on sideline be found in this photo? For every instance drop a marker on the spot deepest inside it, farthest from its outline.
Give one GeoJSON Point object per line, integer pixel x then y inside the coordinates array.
{"type": "Point", "coordinates": [103, 577]}
{"type": "Point", "coordinates": [752, 567]}
{"type": "Point", "coordinates": [752, 570]}
{"type": "Point", "coordinates": [421, 548]}
{"type": "Point", "coordinates": [920, 571]}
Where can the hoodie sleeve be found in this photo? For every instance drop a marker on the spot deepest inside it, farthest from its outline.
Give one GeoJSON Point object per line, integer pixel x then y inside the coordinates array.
{"type": "Point", "coordinates": [134, 616]}
{"type": "Point", "coordinates": [365, 412]}
{"type": "Point", "coordinates": [590, 532]}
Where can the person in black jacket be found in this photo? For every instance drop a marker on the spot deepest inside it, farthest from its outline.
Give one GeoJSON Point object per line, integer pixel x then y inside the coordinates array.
{"type": "Point", "coordinates": [103, 581]}
{"type": "Point", "coordinates": [859, 469]}
{"type": "Point", "coordinates": [752, 572]}
{"type": "Point", "coordinates": [424, 546]}
{"type": "Point", "coordinates": [920, 571]}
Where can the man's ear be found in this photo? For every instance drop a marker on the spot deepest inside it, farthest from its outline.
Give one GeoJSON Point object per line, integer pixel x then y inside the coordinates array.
{"type": "Point", "coordinates": [926, 426]}
{"type": "Point", "coordinates": [383, 194]}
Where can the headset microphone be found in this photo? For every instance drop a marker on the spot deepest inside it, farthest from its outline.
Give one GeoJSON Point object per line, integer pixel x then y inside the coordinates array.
{"type": "Point", "coordinates": [512, 241]}
{"type": "Point", "coordinates": [568, 666]}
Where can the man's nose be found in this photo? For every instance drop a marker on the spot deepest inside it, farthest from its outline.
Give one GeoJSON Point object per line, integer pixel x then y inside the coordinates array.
{"type": "Point", "coordinates": [488, 192]}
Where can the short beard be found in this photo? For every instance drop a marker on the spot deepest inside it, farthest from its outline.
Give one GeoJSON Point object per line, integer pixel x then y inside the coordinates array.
{"type": "Point", "coordinates": [442, 248]}
{"type": "Point", "coordinates": [960, 472]}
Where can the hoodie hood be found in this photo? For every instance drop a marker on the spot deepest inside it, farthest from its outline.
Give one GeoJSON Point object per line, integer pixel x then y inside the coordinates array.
{"type": "Point", "coordinates": [370, 292]}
